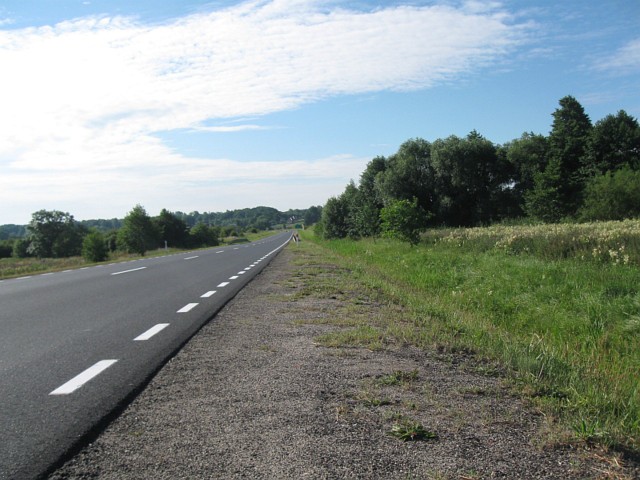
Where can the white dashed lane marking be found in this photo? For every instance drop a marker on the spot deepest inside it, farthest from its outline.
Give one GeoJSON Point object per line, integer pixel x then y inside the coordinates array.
{"type": "Point", "coordinates": [151, 332]}
{"type": "Point", "coordinates": [188, 307]}
{"type": "Point", "coordinates": [129, 271]}
{"type": "Point", "coordinates": [79, 380]}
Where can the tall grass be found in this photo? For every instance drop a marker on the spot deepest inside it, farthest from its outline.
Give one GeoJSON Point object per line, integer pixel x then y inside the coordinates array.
{"type": "Point", "coordinates": [565, 320]}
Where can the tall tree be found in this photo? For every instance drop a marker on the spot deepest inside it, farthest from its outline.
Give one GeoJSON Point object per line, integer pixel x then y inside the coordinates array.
{"type": "Point", "coordinates": [53, 233]}
{"type": "Point", "coordinates": [469, 177]}
{"type": "Point", "coordinates": [409, 174]}
{"type": "Point", "coordinates": [568, 139]}
{"type": "Point", "coordinates": [138, 233]}
{"type": "Point", "coordinates": [171, 229]}
{"type": "Point", "coordinates": [368, 214]}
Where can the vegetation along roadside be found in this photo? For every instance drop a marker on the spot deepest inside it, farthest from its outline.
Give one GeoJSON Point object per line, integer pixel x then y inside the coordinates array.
{"type": "Point", "coordinates": [563, 325]}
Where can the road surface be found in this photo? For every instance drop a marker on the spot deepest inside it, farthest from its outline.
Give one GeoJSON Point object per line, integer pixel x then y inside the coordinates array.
{"type": "Point", "coordinates": [75, 346]}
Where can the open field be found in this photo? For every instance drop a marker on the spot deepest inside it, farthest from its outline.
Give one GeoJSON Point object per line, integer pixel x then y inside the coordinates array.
{"type": "Point", "coordinates": [19, 267]}
{"type": "Point", "coordinates": [556, 307]}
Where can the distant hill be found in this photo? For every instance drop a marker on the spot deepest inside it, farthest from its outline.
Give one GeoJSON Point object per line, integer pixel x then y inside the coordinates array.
{"type": "Point", "coordinates": [261, 218]}
{"type": "Point", "coordinates": [12, 231]}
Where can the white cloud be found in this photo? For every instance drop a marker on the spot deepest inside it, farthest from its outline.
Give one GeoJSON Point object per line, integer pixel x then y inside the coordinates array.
{"type": "Point", "coordinates": [82, 99]}
{"type": "Point", "coordinates": [231, 128]}
{"type": "Point", "coordinates": [626, 59]}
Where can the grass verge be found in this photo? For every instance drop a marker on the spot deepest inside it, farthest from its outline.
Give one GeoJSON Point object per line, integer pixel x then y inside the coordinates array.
{"type": "Point", "coordinates": [567, 329]}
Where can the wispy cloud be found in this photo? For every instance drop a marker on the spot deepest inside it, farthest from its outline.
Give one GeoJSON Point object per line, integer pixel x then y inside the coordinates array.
{"type": "Point", "coordinates": [81, 100]}
{"type": "Point", "coordinates": [232, 128]}
{"type": "Point", "coordinates": [625, 60]}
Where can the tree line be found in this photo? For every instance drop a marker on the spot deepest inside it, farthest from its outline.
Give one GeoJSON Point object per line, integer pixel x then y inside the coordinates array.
{"type": "Point", "coordinates": [579, 172]}
{"type": "Point", "coordinates": [56, 234]}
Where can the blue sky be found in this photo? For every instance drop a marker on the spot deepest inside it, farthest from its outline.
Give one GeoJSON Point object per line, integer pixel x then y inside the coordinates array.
{"type": "Point", "coordinates": [216, 105]}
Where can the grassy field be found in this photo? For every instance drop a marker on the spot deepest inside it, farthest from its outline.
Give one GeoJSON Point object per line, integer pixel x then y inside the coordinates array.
{"type": "Point", "coordinates": [19, 267]}
{"type": "Point", "coordinates": [557, 306]}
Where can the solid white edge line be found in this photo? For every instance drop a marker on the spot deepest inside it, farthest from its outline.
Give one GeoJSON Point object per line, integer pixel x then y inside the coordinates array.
{"type": "Point", "coordinates": [82, 378]}
{"type": "Point", "coordinates": [187, 307]}
{"type": "Point", "coordinates": [151, 332]}
{"type": "Point", "coordinates": [191, 258]}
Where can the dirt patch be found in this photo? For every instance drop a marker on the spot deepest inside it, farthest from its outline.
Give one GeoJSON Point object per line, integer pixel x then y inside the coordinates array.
{"type": "Point", "coordinates": [258, 394]}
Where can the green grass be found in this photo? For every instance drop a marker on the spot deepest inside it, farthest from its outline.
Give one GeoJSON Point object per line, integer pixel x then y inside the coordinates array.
{"type": "Point", "coordinates": [18, 267]}
{"type": "Point", "coordinates": [567, 328]}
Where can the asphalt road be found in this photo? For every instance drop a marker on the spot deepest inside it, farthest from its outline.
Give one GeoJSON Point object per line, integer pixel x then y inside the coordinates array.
{"type": "Point", "coordinates": [75, 346]}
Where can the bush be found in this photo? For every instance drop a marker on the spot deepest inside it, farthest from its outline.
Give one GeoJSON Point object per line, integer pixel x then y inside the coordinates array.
{"type": "Point", "coordinates": [21, 248]}
{"type": "Point", "coordinates": [94, 247]}
{"type": "Point", "coordinates": [612, 196]}
{"type": "Point", "coordinates": [6, 248]}
{"type": "Point", "coordinates": [403, 220]}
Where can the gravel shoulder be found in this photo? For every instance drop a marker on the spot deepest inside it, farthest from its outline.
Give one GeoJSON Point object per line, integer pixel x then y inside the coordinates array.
{"type": "Point", "coordinates": [255, 394]}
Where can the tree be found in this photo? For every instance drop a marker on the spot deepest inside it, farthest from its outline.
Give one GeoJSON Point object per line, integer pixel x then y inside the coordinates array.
{"type": "Point", "coordinates": [612, 196]}
{"type": "Point", "coordinates": [567, 147]}
{"type": "Point", "coordinates": [367, 217]}
{"type": "Point", "coordinates": [469, 178]}
{"type": "Point", "coordinates": [614, 143]}
{"type": "Point", "coordinates": [94, 247]}
{"type": "Point", "coordinates": [404, 220]}
{"type": "Point", "coordinates": [21, 248]}
{"type": "Point", "coordinates": [312, 215]}
{"type": "Point", "coordinates": [407, 174]}
{"type": "Point", "coordinates": [54, 234]}
{"type": "Point", "coordinates": [334, 218]}
{"type": "Point", "coordinates": [528, 157]}
{"type": "Point", "coordinates": [203, 235]}
{"type": "Point", "coordinates": [544, 201]}
{"type": "Point", "coordinates": [138, 233]}
{"type": "Point", "coordinates": [352, 201]}
{"type": "Point", "coordinates": [171, 229]}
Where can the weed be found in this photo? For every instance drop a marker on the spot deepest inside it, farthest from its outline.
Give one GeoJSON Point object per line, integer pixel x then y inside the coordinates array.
{"type": "Point", "coordinates": [587, 430]}
{"type": "Point", "coordinates": [398, 378]}
{"type": "Point", "coordinates": [409, 430]}
{"type": "Point", "coordinates": [361, 336]}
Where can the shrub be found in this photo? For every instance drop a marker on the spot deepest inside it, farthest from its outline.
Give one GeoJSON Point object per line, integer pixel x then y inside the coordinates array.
{"type": "Point", "coordinates": [403, 220]}
{"type": "Point", "coordinates": [612, 196]}
{"type": "Point", "coordinates": [94, 247]}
